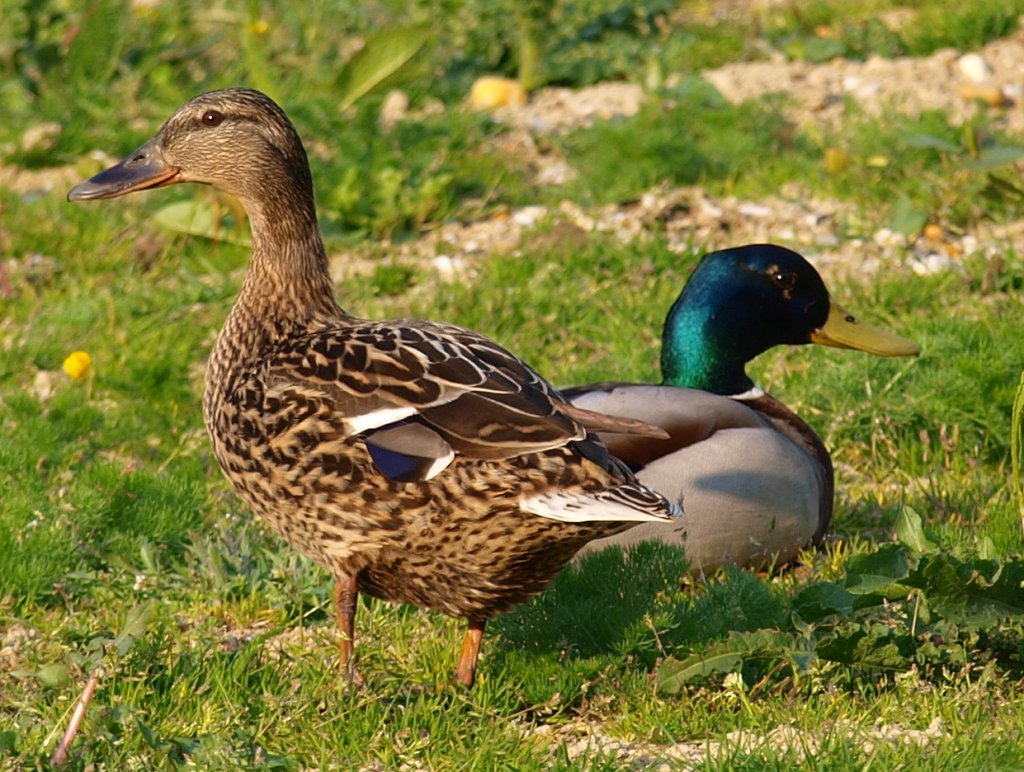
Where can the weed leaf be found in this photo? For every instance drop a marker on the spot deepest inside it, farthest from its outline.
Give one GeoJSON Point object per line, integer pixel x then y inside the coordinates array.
{"type": "Point", "coordinates": [725, 656]}
{"type": "Point", "coordinates": [879, 572]}
{"type": "Point", "coordinates": [910, 532]}
{"type": "Point", "coordinates": [382, 56]}
{"type": "Point", "coordinates": [818, 601]}
{"type": "Point", "coordinates": [996, 156]}
{"type": "Point", "coordinates": [929, 141]}
{"type": "Point", "coordinates": [197, 218]}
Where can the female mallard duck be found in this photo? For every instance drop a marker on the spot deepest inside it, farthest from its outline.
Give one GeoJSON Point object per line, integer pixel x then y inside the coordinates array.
{"type": "Point", "coordinates": [419, 462]}
{"type": "Point", "coordinates": [755, 480]}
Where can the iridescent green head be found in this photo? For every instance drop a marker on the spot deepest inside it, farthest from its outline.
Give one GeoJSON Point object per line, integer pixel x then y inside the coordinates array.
{"type": "Point", "coordinates": [740, 302]}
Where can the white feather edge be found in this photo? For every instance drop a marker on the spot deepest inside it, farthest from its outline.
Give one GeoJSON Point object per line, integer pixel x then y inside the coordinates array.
{"type": "Point", "coordinates": [377, 418]}
{"type": "Point", "coordinates": [389, 415]}
{"type": "Point", "coordinates": [588, 508]}
{"type": "Point", "coordinates": [755, 392]}
{"type": "Point", "coordinates": [439, 465]}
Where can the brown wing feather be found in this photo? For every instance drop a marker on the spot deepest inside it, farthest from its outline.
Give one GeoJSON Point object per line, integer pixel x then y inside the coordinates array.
{"type": "Point", "coordinates": [484, 401]}
{"type": "Point", "coordinates": [603, 422]}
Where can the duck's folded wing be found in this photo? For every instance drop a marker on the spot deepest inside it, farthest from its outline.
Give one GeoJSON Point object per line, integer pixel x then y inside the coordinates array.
{"type": "Point", "coordinates": [687, 416]}
{"type": "Point", "coordinates": [418, 395]}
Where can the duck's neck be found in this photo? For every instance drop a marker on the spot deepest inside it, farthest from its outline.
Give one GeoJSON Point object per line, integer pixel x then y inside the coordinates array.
{"type": "Point", "coordinates": [288, 284]}
{"type": "Point", "coordinates": [699, 350]}
{"type": "Point", "coordinates": [287, 288]}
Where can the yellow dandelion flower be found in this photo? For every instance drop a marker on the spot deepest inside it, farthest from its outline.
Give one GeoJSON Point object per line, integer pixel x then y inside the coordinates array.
{"type": "Point", "coordinates": [490, 92]}
{"type": "Point", "coordinates": [78, 364]}
{"type": "Point", "coordinates": [258, 28]}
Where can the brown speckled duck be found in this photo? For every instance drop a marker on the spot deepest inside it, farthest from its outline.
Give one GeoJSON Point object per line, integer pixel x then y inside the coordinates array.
{"type": "Point", "coordinates": [419, 462]}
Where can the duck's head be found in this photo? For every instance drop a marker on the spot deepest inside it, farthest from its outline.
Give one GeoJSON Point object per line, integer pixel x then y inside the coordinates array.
{"type": "Point", "coordinates": [740, 302]}
{"type": "Point", "coordinates": [236, 139]}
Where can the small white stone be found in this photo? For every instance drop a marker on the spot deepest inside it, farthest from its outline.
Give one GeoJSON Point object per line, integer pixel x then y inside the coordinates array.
{"type": "Point", "coordinates": [1013, 91]}
{"type": "Point", "coordinates": [528, 216]}
{"type": "Point", "coordinates": [974, 67]}
{"type": "Point", "coordinates": [749, 209]}
{"type": "Point", "coordinates": [868, 90]}
{"type": "Point", "coordinates": [43, 385]}
{"type": "Point", "coordinates": [709, 210]}
{"type": "Point", "coordinates": [448, 268]}
{"type": "Point", "coordinates": [394, 108]}
{"type": "Point", "coordinates": [555, 172]}
{"type": "Point", "coordinates": [886, 237]}
{"type": "Point", "coordinates": [931, 264]}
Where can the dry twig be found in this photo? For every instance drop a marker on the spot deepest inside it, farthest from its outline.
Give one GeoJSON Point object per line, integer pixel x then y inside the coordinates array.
{"type": "Point", "coordinates": [61, 754]}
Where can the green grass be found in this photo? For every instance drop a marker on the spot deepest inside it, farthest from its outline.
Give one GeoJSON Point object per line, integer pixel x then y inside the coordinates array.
{"type": "Point", "coordinates": [122, 547]}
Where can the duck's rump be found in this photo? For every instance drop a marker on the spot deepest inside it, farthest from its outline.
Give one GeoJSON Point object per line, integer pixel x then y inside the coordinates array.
{"type": "Point", "coordinates": [479, 569]}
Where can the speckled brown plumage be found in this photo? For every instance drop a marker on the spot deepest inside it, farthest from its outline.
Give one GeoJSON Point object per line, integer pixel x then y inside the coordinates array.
{"type": "Point", "coordinates": [420, 462]}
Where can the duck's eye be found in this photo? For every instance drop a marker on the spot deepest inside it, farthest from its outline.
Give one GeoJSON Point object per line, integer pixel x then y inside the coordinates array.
{"type": "Point", "coordinates": [212, 118]}
{"type": "Point", "coordinates": [784, 280]}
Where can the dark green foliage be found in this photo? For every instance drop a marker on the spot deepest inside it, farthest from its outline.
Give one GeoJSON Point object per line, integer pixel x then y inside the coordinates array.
{"type": "Point", "coordinates": [905, 604]}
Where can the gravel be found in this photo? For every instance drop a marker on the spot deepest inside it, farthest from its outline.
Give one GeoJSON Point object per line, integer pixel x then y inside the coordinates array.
{"type": "Point", "coordinates": [835, 235]}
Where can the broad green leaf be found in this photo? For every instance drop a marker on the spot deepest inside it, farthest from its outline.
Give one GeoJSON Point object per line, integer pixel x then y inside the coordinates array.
{"type": "Point", "coordinates": [821, 600]}
{"type": "Point", "coordinates": [934, 143]}
{"type": "Point", "coordinates": [383, 55]}
{"type": "Point", "coordinates": [878, 572]}
{"type": "Point", "coordinates": [907, 217]}
{"type": "Point", "coordinates": [134, 627]}
{"type": "Point", "coordinates": [910, 532]}
{"type": "Point", "coordinates": [198, 218]}
{"type": "Point", "coordinates": [674, 674]}
{"type": "Point", "coordinates": [8, 742]}
{"type": "Point", "coordinates": [987, 549]}
{"type": "Point", "coordinates": [54, 674]}
{"type": "Point", "coordinates": [725, 656]}
{"type": "Point", "coordinates": [976, 593]}
{"type": "Point", "coordinates": [996, 156]}
{"type": "Point", "coordinates": [872, 645]}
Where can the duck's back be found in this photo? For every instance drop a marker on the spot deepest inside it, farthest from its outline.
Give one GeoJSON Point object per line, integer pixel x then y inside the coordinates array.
{"type": "Point", "coordinates": [749, 492]}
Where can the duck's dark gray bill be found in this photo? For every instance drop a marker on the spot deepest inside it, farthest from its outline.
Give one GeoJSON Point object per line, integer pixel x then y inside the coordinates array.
{"type": "Point", "coordinates": [142, 170]}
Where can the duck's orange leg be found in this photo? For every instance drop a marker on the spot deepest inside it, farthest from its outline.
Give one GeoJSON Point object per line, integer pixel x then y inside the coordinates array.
{"type": "Point", "coordinates": [346, 598]}
{"type": "Point", "coordinates": [465, 673]}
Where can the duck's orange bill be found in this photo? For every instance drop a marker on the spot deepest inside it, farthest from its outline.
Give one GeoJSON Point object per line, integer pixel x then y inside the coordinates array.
{"type": "Point", "coordinates": [143, 169]}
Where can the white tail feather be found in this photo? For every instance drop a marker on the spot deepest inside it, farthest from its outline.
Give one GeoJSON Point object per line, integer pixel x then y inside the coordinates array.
{"type": "Point", "coordinates": [600, 506]}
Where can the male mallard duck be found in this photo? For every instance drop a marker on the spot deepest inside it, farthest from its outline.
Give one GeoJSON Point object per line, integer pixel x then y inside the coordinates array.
{"type": "Point", "coordinates": [419, 462]}
{"type": "Point", "coordinates": [756, 482]}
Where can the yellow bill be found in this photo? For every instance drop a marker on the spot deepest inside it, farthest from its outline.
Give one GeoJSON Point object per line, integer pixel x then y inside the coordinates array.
{"type": "Point", "coordinates": [844, 330]}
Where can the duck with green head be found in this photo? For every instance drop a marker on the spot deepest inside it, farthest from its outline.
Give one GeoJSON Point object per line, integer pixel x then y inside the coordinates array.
{"type": "Point", "coordinates": [756, 482]}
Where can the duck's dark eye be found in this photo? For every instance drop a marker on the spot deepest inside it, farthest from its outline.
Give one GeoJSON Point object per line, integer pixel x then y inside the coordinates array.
{"type": "Point", "coordinates": [212, 118]}
{"type": "Point", "coordinates": [784, 280]}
